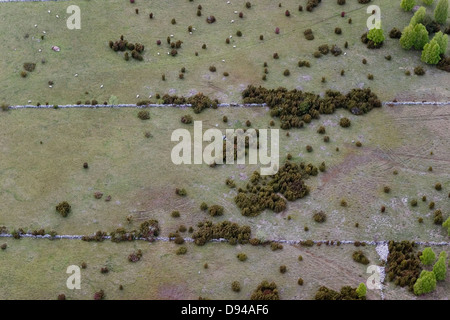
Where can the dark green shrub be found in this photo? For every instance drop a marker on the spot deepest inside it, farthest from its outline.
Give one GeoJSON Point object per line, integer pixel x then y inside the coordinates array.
{"type": "Point", "coordinates": [248, 5]}
{"type": "Point", "coordinates": [180, 192]}
{"type": "Point", "coordinates": [265, 291]}
{"type": "Point", "coordinates": [286, 73]}
{"type": "Point", "coordinates": [283, 269]}
{"type": "Point", "coordinates": [335, 50]}
{"type": "Point", "coordinates": [239, 33]}
{"type": "Point", "coordinates": [175, 214]}
{"type": "Point", "coordinates": [324, 49]}
{"type": "Point", "coordinates": [63, 208]}
{"type": "Point", "coordinates": [338, 30]}
{"type": "Point", "coordinates": [438, 186]}
{"type": "Point", "coordinates": [359, 256]}
{"type": "Point", "coordinates": [438, 218]}
{"type": "Point", "coordinates": [403, 264]}
{"type": "Point", "coordinates": [419, 71]}
{"type": "Point", "coordinates": [395, 34]}
{"type": "Point", "coordinates": [144, 115]}
{"type": "Point", "coordinates": [307, 243]}
{"type": "Point", "coordinates": [186, 119]}
{"type": "Point", "coordinates": [326, 139]}
{"type": "Point", "coordinates": [236, 286]}
{"type": "Point", "coordinates": [181, 250]}
{"type": "Point", "coordinates": [215, 210]}
{"type": "Point", "coordinates": [212, 69]}
{"type": "Point", "coordinates": [321, 130]}
{"type": "Point", "coordinates": [29, 66]}
{"type": "Point", "coordinates": [23, 74]}
{"type": "Point", "coordinates": [320, 217]}
{"type": "Point", "coordinates": [344, 122]}
{"type": "Point", "coordinates": [173, 21]}
{"type": "Point", "coordinates": [300, 281]}
{"type": "Point", "coordinates": [242, 256]}
{"type": "Point", "coordinates": [276, 246]}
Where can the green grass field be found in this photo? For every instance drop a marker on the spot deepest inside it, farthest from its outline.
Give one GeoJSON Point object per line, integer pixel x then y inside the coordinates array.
{"type": "Point", "coordinates": [43, 150]}
{"type": "Point", "coordinates": [85, 52]}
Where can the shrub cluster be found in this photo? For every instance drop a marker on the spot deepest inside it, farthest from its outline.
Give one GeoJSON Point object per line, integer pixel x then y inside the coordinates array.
{"type": "Point", "coordinates": [262, 191]}
{"type": "Point", "coordinates": [403, 264]}
{"type": "Point", "coordinates": [346, 293]}
{"type": "Point", "coordinates": [292, 106]}
{"type": "Point", "coordinates": [311, 4]}
{"type": "Point", "coordinates": [231, 231]}
{"type": "Point", "coordinates": [123, 45]}
{"type": "Point", "coordinates": [265, 291]}
{"type": "Point", "coordinates": [304, 63]}
{"type": "Point", "coordinates": [198, 101]}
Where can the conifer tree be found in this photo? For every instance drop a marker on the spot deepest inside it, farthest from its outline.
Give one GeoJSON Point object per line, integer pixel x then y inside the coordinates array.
{"type": "Point", "coordinates": [407, 5]}
{"type": "Point", "coordinates": [431, 52]}
{"type": "Point", "coordinates": [441, 11]}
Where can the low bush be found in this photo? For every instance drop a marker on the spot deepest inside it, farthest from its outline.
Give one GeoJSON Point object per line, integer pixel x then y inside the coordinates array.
{"type": "Point", "coordinates": [420, 71]}
{"type": "Point", "coordinates": [242, 256]}
{"type": "Point", "coordinates": [344, 122]}
{"type": "Point", "coordinates": [359, 256]}
{"type": "Point", "coordinates": [215, 210]}
{"type": "Point", "coordinates": [186, 119]}
{"type": "Point", "coordinates": [144, 115]}
{"type": "Point", "coordinates": [236, 286]}
{"type": "Point", "coordinates": [265, 291]}
{"type": "Point", "coordinates": [320, 217]}
{"type": "Point", "coordinates": [63, 208]}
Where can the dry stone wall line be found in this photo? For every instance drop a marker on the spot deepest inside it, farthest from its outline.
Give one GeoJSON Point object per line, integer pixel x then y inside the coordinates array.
{"type": "Point", "coordinates": [222, 105]}
{"type": "Point", "coordinates": [289, 242]}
